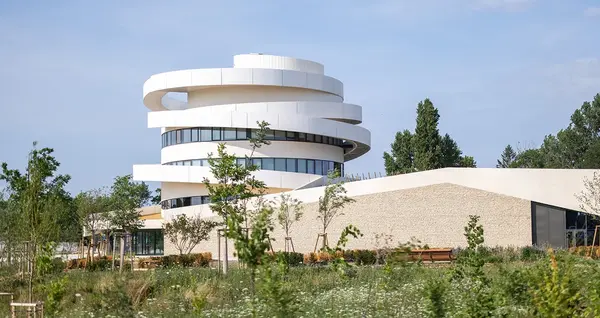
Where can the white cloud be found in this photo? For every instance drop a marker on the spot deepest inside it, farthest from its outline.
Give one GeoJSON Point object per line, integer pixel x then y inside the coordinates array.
{"type": "Point", "coordinates": [592, 12]}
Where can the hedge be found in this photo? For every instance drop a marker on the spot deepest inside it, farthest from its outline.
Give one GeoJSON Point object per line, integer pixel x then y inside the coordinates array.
{"type": "Point", "coordinates": [184, 260]}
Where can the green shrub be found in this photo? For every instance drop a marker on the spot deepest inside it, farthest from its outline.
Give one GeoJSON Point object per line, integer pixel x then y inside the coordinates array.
{"type": "Point", "coordinates": [531, 253]}
{"type": "Point", "coordinates": [290, 258]}
{"type": "Point", "coordinates": [365, 257]}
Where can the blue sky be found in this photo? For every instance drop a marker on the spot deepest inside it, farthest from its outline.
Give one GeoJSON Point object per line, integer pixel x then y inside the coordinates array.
{"type": "Point", "coordinates": [499, 71]}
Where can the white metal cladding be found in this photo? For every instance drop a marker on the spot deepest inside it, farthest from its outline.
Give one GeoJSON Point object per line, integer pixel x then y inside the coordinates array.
{"type": "Point", "coordinates": [292, 95]}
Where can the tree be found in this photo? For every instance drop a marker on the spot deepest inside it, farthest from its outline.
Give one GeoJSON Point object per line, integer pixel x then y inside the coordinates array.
{"type": "Point", "coordinates": [126, 199]}
{"type": "Point", "coordinates": [38, 197]}
{"type": "Point", "coordinates": [331, 204]}
{"type": "Point", "coordinates": [92, 207]}
{"type": "Point", "coordinates": [530, 158]}
{"type": "Point", "coordinates": [186, 232]}
{"type": "Point", "coordinates": [507, 157]}
{"type": "Point", "coordinates": [156, 198]}
{"type": "Point", "coordinates": [401, 158]}
{"type": "Point", "coordinates": [289, 212]}
{"type": "Point", "coordinates": [589, 198]}
{"type": "Point", "coordinates": [425, 149]}
{"type": "Point", "coordinates": [427, 140]}
{"type": "Point", "coordinates": [230, 197]}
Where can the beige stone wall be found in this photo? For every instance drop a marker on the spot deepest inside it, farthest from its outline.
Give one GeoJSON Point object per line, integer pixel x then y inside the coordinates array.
{"type": "Point", "coordinates": [436, 215]}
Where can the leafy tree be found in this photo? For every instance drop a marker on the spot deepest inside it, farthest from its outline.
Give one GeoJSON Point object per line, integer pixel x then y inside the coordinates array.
{"type": "Point", "coordinates": [230, 199]}
{"type": "Point", "coordinates": [331, 203]}
{"type": "Point", "coordinates": [156, 197]}
{"type": "Point", "coordinates": [507, 157]}
{"type": "Point", "coordinates": [127, 198]}
{"type": "Point", "coordinates": [92, 207]}
{"type": "Point", "coordinates": [186, 232]}
{"type": "Point", "coordinates": [427, 140]}
{"type": "Point", "coordinates": [589, 198]}
{"type": "Point", "coordinates": [38, 197]}
{"type": "Point", "coordinates": [530, 158]}
{"type": "Point", "coordinates": [425, 149]}
{"type": "Point", "coordinates": [289, 212]}
{"type": "Point", "coordinates": [401, 158]}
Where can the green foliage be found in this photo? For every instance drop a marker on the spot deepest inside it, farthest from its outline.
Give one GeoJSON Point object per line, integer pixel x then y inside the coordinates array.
{"type": "Point", "coordinates": [338, 263]}
{"type": "Point", "coordinates": [589, 198]}
{"type": "Point", "coordinates": [277, 296]}
{"type": "Point", "coordinates": [332, 202]}
{"type": "Point", "coordinates": [44, 262]}
{"type": "Point", "coordinates": [507, 158]}
{"type": "Point", "coordinates": [554, 295]}
{"type": "Point", "coordinates": [289, 258]}
{"type": "Point", "coordinates": [435, 291]}
{"type": "Point", "coordinates": [127, 197]}
{"type": "Point", "coordinates": [425, 149]}
{"type": "Point", "coordinates": [55, 291]}
{"type": "Point", "coordinates": [470, 262]}
{"type": "Point", "coordinates": [186, 232]}
{"type": "Point", "coordinates": [289, 212]}
{"type": "Point", "coordinates": [577, 146]}
{"type": "Point", "coordinates": [156, 197]}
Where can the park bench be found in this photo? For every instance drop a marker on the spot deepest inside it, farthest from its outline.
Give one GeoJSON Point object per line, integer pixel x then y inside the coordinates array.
{"type": "Point", "coordinates": [432, 255]}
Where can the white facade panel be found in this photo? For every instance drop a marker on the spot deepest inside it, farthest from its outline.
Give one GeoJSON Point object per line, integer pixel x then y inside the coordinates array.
{"type": "Point", "coordinates": [239, 76]}
{"type": "Point", "coordinates": [267, 77]}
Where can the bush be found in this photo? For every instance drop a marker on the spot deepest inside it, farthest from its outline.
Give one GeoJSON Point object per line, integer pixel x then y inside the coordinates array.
{"type": "Point", "coordinates": [290, 258]}
{"type": "Point", "coordinates": [530, 253]}
{"type": "Point", "coordinates": [365, 257]}
{"type": "Point", "coordinates": [185, 260]}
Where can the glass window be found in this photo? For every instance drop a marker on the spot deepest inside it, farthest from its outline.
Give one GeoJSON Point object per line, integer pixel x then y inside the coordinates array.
{"type": "Point", "coordinates": [205, 200]}
{"type": "Point", "coordinates": [172, 137]}
{"type": "Point", "coordinates": [290, 165]}
{"type": "Point", "coordinates": [196, 200]}
{"type": "Point", "coordinates": [187, 163]}
{"type": "Point", "coordinates": [318, 167]}
{"type": "Point", "coordinates": [268, 164]}
{"type": "Point", "coordinates": [162, 141]}
{"type": "Point", "coordinates": [173, 203]}
{"type": "Point", "coordinates": [229, 134]}
{"type": "Point", "coordinates": [280, 164]}
{"type": "Point", "coordinates": [187, 135]}
{"type": "Point", "coordinates": [270, 134]}
{"type": "Point", "coordinates": [196, 162]}
{"type": "Point", "coordinates": [302, 165]}
{"type": "Point", "coordinates": [179, 202]}
{"type": "Point", "coordinates": [257, 162]}
{"type": "Point", "coordinates": [310, 137]}
{"type": "Point", "coordinates": [195, 135]}
{"type": "Point", "coordinates": [179, 163]}
{"type": "Point", "coordinates": [240, 161]}
{"type": "Point", "coordinates": [205, 134]}
{"type": "Point", "coordinates": [279, 135]}
{"type": "Point", "coordinates": [216, 134]}
{"type": "Point", "coordinates": [302, 136]}
{"type": "Point", "coordinates": [205, 163]}
{"type": "Point", "coordinates": [318, 138]}
{"type": "Point", "coordinates": [253, 133]}
{"type": "Point", "coordinates": [330, 166]}
{"type": "Point", "coordinates": [325, 139]}
{"type": "Point", "coordinates": [290, 135]}
{"type": "Point", "coordinates": [242, 134]}
{"type": "Point", "coordinates": [187, 201]}
{"type": "Point", "coordinates": [310, 166]}
{"type": "Point", "coordinates": [178, 138]}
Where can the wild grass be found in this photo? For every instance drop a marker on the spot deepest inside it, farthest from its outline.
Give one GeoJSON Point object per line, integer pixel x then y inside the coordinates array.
{"type": "Point", "coordinates": [510, 288]}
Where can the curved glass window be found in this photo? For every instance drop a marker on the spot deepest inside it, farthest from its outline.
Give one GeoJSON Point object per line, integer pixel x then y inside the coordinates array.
{"type": "Point", "coordinates": [200, 134]}
{"type": "Point", "coordinates": [185, 201]}
{"type": "Point", "coordinates": [320, 167]}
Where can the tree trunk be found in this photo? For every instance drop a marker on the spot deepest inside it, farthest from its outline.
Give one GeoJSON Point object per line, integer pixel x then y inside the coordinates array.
{"type": "Point", "coordinates": [122, 253]}
{"type": "Point", "coordinates": [131, 251]}
{"type": "Point", "coordinates": [114, 250]}
{"type": "Point", "coordinates": [225, 257]}
{"type": "Point", "coordinates": [93, 246]}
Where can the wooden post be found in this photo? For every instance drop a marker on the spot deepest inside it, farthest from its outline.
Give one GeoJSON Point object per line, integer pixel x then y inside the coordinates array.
{"type": "Point", "coordinates": [325, 242]}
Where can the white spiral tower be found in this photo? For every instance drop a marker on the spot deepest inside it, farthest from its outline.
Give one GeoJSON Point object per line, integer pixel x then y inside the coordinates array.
{"type": "Point", "coordinates": [312, 130]}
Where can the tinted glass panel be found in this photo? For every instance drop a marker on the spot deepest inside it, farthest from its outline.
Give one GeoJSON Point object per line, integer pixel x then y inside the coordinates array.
{"type": "Point", "coordinates": [197, 162]}
{"type": "Point", "coordinates": [291, 165]}
{"type": "Point", "coordinates": [302, 165]}
{"type": "Point", "coordinates": [290, 135]}
{"type": "Point", "coordinates": [270, 134]}
{"type": "Point", "coordinates": [310, 166]}
{"type": "Point", "coordinates": [195, 135]}
{"type": "Point", "coordinates": [216, 134]}
{"type": "Point", "coordinates": [178, 134]}
{"type": "Point", "coordinates": [240, 161]}
{"type": "Point", "coordinates": [279, 135]}
{"type": "Point", "coordinates": [268, 164]}
{"type": "Point", "coordinates": [279, 164]}
{"type": "Point", "coordinates": [196, 200]}
{"type": "Point", "coordinates": [229, 134]}
{"type": "Point", "coordinates": [205, 134]}
{"type": "Point", "coordinates": [318, 138]}
{"type": "Point", "coordinates": [310, 137]}
{"type": "Point", "coordinates": [257, 162]}
{"type": "Point", "coordinates": [205, 163]}
{"type": "Point", "coordinates": [301, 136]}
{"type": "Point", "coordinates": [318, 167]}
{"type": "Point", "coordinates": [242, 134]}
{"type": "Point", "coordinates": [187, 135]}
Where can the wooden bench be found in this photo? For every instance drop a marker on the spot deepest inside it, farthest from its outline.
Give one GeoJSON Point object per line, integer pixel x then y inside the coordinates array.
{"type": "Point", "coordinates": [432, 255]}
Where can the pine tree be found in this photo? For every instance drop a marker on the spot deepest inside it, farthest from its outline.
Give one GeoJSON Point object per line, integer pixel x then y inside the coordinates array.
{"type": "Point", "coordinates": [401, 158]}
{"type": "Point", "coordinates": [451, 154]}
{"type": "Point", "coordinates": [507, 158]}
{"type": "Point", "coordinates": [427, 139]}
